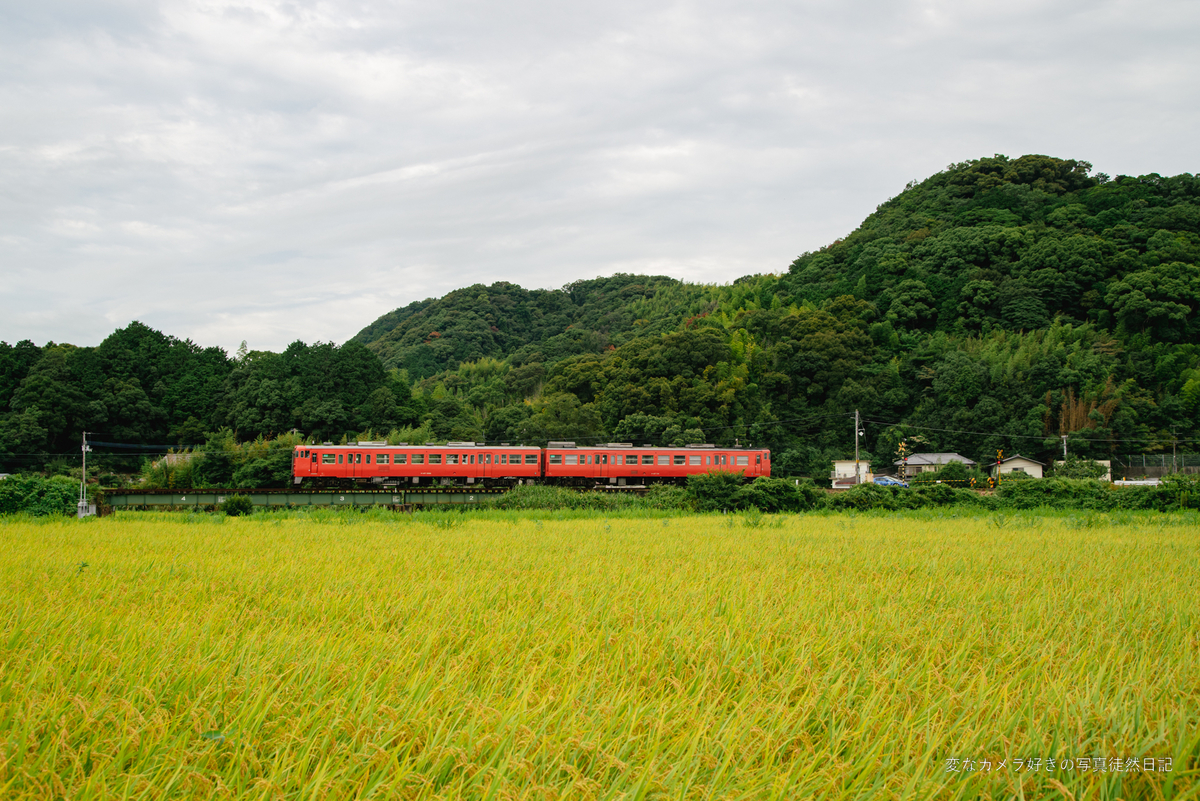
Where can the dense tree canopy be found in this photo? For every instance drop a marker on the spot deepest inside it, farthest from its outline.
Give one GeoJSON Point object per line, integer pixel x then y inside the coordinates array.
{"type": "Point", "coordinates": [1002, 303]}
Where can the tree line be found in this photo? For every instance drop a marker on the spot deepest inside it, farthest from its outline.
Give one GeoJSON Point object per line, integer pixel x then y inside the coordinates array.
{"type": "Point", "coordinates": [1000, 304]}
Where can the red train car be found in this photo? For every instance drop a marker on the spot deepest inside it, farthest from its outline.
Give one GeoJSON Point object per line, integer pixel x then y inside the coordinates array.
{"type": "Point", "coordinates": [453, 463]}
{"type": "Point", "coordinates": [621, 463]}
{"type": "Point", "coordinates": [617, 463]}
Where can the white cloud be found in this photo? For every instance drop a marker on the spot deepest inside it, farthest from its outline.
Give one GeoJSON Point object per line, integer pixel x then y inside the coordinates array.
{"type": "Point", "coordinates": [278, 170]}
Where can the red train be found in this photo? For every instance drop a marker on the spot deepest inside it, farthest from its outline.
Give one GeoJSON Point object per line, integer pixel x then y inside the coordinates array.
{"type": "Point", "coordinates": [616, 463]}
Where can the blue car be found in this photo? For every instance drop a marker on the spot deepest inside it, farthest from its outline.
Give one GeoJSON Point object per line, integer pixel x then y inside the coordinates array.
{"type": "Point", "coordinates": [888, 481]}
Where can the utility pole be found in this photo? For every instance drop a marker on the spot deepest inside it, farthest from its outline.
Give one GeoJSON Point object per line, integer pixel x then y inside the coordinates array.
{"type": "Point", "coordinates": [1174, 440]}
{"type": "Point", "coordinates": [82, 508]}
{"type": "Point", "coordinates": [857, 474]}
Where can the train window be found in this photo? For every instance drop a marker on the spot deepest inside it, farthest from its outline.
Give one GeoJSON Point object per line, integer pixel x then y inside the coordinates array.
{"type": "Point", "coordinates": [451, 458]}
{"type": "Point", "coordinates": [743, 460]}
{"type": "Point", "coordinates": [602, 458]}
{"type": "Point", "coordinates": [314, 456]}
{"type": "Point", "coordinates": [531, 458]}
{"type": "Point", "coordinates": [435, 458]}
{"type": "Point", "coordinates": [708, 460]}
{"type": "Point", "coordinates": [693, 460]}
{"type": "Point", "coordinates": [572, 458]}
{"type": "Point", "coordinates": [327, 458]}
{"type": "Point", "coordinates": [664, 459]}
{"type": "Point", "coordinates": [401, 458]}
{"type": "Point", "coordinates": [382, 458]}
{"type": "Point", "coordinates": [556, 458]}
{"type": "Point", "coordinates": [358, 458]}
{"type": "Point", "coordinates": [368, 458]}
{"type": "Point", "coordinates": [418, 458]}
{"type": "Point", "coordinates": [487, 458]}
{"type": "Point", "coordinates": [339, 458]}
{"type": "Point", "coordinates": [758, 459]}
{"type": "Point", "coordinates": [504, 458]}
{"type": "Point", "coordinates": [680, 458]}
{"type": "Point", "coordinates": [647, 458]}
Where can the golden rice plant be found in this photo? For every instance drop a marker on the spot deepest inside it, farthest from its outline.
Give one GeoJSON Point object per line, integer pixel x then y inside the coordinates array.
{"type": "Point", "coordinates": [157, 656]}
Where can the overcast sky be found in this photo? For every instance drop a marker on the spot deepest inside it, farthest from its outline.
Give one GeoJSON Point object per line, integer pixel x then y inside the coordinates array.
{"type": "Point", "coordinates": [270, 171]}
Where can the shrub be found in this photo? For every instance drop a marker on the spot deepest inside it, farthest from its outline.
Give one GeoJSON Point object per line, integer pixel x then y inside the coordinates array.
{"type": "Point", "coordinates": [778, 495]}
{"type": "Point", "coordinates": [667, 497]}
{"type": "Point", "coordinates": [1074, 467]}
{"type": "Point", "coordinates": [863, 497]}
{"type": "Point", "coordinates": [716, 490]}
{"type": "Point", "coordinates": [237, 505]}
{"type": "Point", "coordinates": [38, 496]}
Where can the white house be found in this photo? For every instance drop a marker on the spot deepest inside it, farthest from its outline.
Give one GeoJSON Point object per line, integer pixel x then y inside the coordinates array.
{"type": "Point", "coordinates": [1017, 464]}
{"type": "Point", "coordinates": [929, 462]}
{"type": "Point", "coordinates": [843, 473]}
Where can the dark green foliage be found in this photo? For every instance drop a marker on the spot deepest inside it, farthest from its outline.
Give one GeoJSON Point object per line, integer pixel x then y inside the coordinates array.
{"type": "Point", "coordinates": [1000, 304]}
{"type": "Point", "coordinates": [779, 495]}
{"type": "Point", "coordinates": [430, 336]}
{"type": "Point", "coordinates": [717, 491]}
{"type": "Point", "coordinates": [38, 496]}
{"type": "Point", "coordinates": [237, 505]}
{"type": "Point", "coordinates": [1074, 467]}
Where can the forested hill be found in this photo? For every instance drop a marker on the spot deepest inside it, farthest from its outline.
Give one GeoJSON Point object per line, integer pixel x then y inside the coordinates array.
{"type": "Point", "coordinates": [1001, 303]}
{"type": "Point", "coordinates": [505, 321]}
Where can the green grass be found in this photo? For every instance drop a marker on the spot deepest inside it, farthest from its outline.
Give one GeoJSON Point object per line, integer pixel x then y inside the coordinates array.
{"type": "Point", "coordinates": [505, 655]}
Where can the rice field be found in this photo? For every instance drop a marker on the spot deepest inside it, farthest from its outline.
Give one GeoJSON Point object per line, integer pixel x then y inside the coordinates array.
{"type": "Point", "coordinates": [511, 657]}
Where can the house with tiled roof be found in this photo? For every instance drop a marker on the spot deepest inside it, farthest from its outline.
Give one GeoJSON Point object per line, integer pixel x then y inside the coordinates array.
{"type": "Point", "coordinates": [929, 462]}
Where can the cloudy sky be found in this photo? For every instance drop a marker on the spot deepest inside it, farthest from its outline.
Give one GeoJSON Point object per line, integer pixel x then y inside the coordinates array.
{"type": "Point", "coordinates": [270, 171]}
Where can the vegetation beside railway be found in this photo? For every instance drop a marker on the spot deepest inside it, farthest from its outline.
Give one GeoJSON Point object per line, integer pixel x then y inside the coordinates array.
{"type": "Point", "coordinates": [1002, 303]}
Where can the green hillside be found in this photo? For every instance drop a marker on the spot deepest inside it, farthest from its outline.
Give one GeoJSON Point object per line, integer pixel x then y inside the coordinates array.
{"type": "Point", "coordinates": [1002, 303]}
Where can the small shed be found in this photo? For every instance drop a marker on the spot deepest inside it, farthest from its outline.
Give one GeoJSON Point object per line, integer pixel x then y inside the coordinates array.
{"type": "Point", "coordinates": [1018, 464]}
{"type": "Point", "coordinates": [929, 462]}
